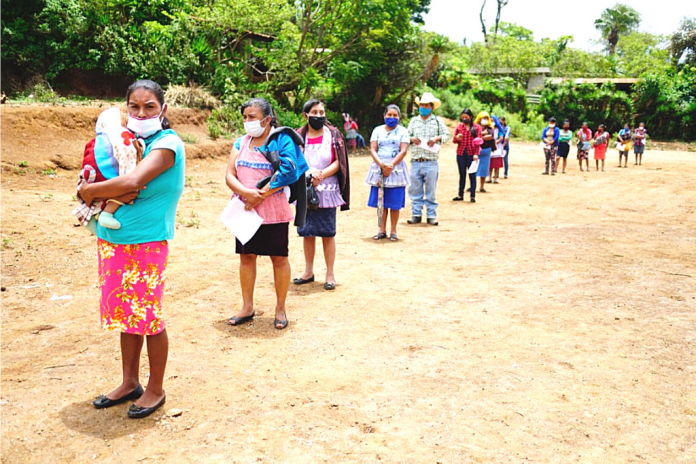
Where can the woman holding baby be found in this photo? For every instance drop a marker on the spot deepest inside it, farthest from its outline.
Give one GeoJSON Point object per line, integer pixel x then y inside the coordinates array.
{"type": "Point", "coordinates": [133, 257]}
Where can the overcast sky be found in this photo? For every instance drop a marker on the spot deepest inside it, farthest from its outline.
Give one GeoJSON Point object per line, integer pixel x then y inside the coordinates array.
{"type": "Point", "coordinates": [459, 19]}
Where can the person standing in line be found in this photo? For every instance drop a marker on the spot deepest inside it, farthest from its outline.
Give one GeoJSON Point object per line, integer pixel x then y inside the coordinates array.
{"type": "Point", "coordinates": [327, 157]}
{"type": "Point", "coordinates": [133, 259]}
{"type": "Point", "coordinates": [584, 135]}
{"type": "Point", "coordinates": [388, 147]}
{"type": "Point", "coordinates": [623, 139]}
{"type": "Point", "coordinates": [498, 153]}
{"type": "Point", "coordinates": [639, 142]}
{"type": "Point", "coordinates": [506, 159]}
{"type": "Point", "coordinates": [564, 140]}
{"type": "Point", "coordinates": [484, 121]}
{"type": "Point", "coordinates": [467, 152]}
{"type": "Point", "coordinates": [601, 141]}
{"type": "Point", "coordinates": [245, 169]}
{"type": "Point", "coordinates": [425, 130]}
{"type": "Point", "coordinates": [549, 137]}
{"type": "Point", "coordinates": [351, 128]}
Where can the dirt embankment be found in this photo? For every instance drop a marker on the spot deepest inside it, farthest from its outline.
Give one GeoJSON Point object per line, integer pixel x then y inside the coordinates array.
{"type": "Point", "coordinates": [54, 137]}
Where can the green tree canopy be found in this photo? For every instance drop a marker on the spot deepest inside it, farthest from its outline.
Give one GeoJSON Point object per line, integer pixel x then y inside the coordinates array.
{"type": "Point", "coordinates": [616, 21]}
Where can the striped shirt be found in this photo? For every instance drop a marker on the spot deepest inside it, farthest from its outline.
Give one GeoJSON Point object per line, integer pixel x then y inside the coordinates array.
{"type": "Point", "coordinates": [426, 130]}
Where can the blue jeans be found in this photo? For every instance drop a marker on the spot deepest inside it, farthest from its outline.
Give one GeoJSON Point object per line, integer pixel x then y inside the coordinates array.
{"type": "Point", "coordinates": [422, 189]}
{"type": "Point", "coordinates": [507, 156]}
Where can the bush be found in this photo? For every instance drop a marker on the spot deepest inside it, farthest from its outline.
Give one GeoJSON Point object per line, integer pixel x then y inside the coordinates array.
{"type": "Point", "coordinates": [666, 103]}
{"type": "Point", "coordinates": [453, 104]}
{"type": "Point", "coordinates": [42, 92]}
{"type": "Point", "coordinates": [504, 92]}
{"type": "Point", "coordinates": [190, 96]}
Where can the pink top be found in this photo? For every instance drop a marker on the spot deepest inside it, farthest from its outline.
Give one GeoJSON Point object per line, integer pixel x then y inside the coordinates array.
{"type": "Point", "coordinates": [319, 153]}
{"type": "Point", "coordinates": [252, 166]}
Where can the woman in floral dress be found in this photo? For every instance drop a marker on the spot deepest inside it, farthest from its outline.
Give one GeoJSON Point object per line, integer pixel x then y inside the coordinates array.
{"type": "Point", "coordinates": [132, 259]}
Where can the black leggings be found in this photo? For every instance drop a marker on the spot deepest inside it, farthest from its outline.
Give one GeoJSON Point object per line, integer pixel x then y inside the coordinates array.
{"type": "Point", "coordinates": [463, 163]}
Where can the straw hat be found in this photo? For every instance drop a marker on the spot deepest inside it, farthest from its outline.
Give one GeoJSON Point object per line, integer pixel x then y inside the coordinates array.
{"type": "Point", "coordinates": [428, 98]}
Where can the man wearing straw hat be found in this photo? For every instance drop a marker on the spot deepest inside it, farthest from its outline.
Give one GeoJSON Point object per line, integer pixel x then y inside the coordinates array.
{"type": "Point", "coordinates": [427, 133]}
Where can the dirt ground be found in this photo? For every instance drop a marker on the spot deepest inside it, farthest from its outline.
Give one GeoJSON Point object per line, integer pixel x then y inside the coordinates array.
{"type": "Point", "coordinates": [552, 321]}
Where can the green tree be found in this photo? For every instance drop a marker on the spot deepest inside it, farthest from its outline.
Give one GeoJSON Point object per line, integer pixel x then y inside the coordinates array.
{"type": "Point", "coordinates": [514, 31]}
{"type": "Point", "coordinates": [683, 42]}
{"type": "Point", "coordinates": [642, 52]}
{"type": "Point", "coordinates": [616, 21]}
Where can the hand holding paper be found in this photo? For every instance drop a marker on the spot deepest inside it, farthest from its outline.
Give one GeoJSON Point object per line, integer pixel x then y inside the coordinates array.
{"type": "Point", "coordinates": [242, 223]}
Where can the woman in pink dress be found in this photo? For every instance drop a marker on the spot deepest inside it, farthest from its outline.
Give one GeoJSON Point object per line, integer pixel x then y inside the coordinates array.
{"type": "Point", "coordinates": [600, 145]}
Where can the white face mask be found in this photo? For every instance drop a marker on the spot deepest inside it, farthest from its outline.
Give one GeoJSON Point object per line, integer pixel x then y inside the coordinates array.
{"type": "Point", "coordinates": [484, 121]}
{"type": "Point", "coordinates": [552, 125]}
{"type": "Point", "coordinates": [145, 127]}
{"type": "Point", "coordinates": [254, 128]}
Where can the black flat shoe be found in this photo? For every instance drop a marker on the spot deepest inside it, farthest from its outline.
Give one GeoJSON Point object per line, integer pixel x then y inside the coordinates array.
{"type": "Point", "coordinates": [330, 285]}
{"type": "Point", "coordinates": [457, 199]}
{"type": "Point", "coordinates": [235, 320]}
{"type": "Point", "coordinates": [138, 412]}
{"type": "Point", "coordinates": [473, 200]}
{"type": "Point", "coordinates": [280, 325]}
{"type": "Point", "coordinates": [301, 281]}
{"type": "Point", "coordinates": [432, 221]}
{"type": "Point", "coordinates": [415, 220]}
{"type": "Point", "coordinates": [103, 401]}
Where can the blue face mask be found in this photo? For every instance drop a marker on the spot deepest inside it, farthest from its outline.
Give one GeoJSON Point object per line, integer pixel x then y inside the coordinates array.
{"type": "Point", "coordinates": [425, 111]}
{"type": "Point", "coordinates": [391, 122]}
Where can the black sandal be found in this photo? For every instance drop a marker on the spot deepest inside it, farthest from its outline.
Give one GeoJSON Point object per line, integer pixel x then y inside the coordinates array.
{"type": "Point", "coordinates": [380, 236]}
{"type": "Point", "coordinates": [280, 325]}
{"type": "Point", "coordinates": [235, 321]}
{"type": "Point", "coordinates": [103, 401]}
{"type": "Point", "coordinates": [301, 281]}
{"type": "Point", "coordinates": [139, 412]}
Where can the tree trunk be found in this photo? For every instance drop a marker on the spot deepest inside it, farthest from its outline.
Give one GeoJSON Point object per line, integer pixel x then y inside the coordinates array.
{"type": "Point", "coordinates": [483, 24]}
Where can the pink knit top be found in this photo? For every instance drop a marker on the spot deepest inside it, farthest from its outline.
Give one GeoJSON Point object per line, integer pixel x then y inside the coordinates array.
{"type": "Point", "coordinates": [252, 166]}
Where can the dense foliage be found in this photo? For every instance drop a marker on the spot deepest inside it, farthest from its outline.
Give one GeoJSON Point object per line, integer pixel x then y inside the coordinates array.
{"type": "Point", "coordinates": [356, 56]}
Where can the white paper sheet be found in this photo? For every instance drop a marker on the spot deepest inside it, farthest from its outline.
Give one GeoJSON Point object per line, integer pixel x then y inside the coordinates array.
{"type": "Point", "coordinates": [474, 167]}
{"type": "Point", "coordinates": [242, 223]}
{"type": "Point", "coordinates": [424, 145]}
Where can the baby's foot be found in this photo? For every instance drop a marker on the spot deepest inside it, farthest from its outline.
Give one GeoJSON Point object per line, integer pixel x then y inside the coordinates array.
{"type": "Point", "coordinates": [108, 221]}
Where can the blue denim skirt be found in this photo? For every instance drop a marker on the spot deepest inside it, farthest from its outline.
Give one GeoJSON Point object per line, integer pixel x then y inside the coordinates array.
{"type": "Point", "coordinates": [484, 163]}
{"type": "Point", "coordinates": [319, 223]}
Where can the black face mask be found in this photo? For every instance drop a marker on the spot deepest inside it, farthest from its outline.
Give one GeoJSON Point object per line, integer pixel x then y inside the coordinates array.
{"type": "Point", "coordinates": [466, 121]}
{"type": "Point", "coordinates": [317, 122]}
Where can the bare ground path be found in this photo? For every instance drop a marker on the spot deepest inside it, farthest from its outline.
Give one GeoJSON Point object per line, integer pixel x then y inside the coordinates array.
{"type": "Point", "coordinates": [552, 321]}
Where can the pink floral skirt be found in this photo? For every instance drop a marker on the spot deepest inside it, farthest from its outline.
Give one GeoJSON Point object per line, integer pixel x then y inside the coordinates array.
{"type": "Point", "coordinates": [131, 278]}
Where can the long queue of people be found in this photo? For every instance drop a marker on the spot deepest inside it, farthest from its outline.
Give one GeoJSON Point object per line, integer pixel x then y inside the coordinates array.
{"type": "Point", "coordinates": [133, 177]}
{"type": "Point", "coordinates": [556, 144]}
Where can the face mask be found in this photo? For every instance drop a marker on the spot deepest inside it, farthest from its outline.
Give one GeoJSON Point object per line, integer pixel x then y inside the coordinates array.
{"type": "Point", "coordinates": [391, 122]}
{"type": "Point", "coordinates": [552, 125]}
{"type": "Point", "coordinates": [145, 127]}
{"type": "Point", "coordinates": [484, 121]}
{"type": "Point", "coordinates": [254, 128]}
{"type": "Point", "coordinates": [425, 111]}
{"type": "Point", "coordinates": [466, 121]}
{"type": "Point", "coordinates": [317, 122]}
